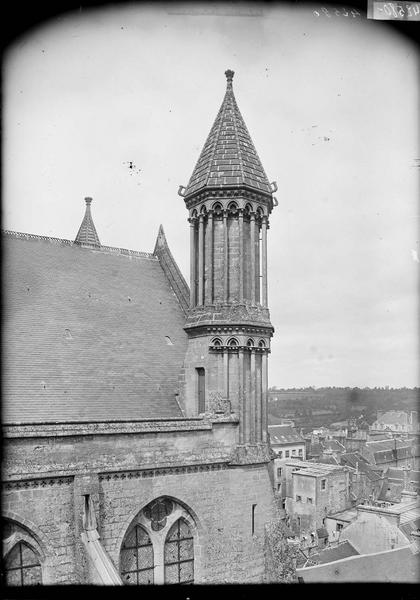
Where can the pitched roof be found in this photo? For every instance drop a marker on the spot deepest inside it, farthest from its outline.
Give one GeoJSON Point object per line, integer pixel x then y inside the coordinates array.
{"type": "Point", "coordinates": [89, 334]}
{"type": "Point", "coordinates": [283, 434]}
{"type": "Point", "coordinates": [87, 231]}
{"type": "Point", "coordinates": [351, 459]}
{"type": "Point", "coordinates": [388, 445]}
{"type": "Point", "coordinates": [355, 460]}
{"type": "Point", "coordinates": [333, 553]}
{"type": "Point", "coordinates": [228, 157]}
{"type": "Point", "coordinates": [171, 270]}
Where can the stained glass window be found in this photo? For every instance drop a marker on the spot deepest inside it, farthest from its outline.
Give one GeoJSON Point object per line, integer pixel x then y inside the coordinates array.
{"type": "Point", "coordinates": [22, 566]}
{"type": "Point", "coordinates": [179, 554]}
{"type": "Point", "coordinates": [137, 564]}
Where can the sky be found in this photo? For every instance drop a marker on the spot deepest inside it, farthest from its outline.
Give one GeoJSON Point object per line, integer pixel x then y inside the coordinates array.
{"type": "Point", "coordinates": [331, 104]}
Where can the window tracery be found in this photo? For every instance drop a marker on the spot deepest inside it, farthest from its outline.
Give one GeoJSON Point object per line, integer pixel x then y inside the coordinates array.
{"type": "Point", "coordinates": [22, 566]}
{"type": "Point", "coordinates": [179, 554]}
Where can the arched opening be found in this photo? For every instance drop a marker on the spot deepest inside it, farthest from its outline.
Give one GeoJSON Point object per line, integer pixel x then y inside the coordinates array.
{"type": "Point", "coordinates": [137, 557]}
{"type": "Point", "coordinates": [179, 553]}
{"type": "Point", "coordinates": [22, 566]}
{"type": "Point", "coordinates": [159, 545]}
{"type": "Point", "coordinates": [250, 343]}
{"type": "Point", "coordinates": [233, 342]}
{"type": "Point", "coordinates": [216, 343]}
{"type": "Point", "coordinates": [261, 344]}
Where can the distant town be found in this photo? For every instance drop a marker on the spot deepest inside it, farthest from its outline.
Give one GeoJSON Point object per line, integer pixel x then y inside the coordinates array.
{"type": "Point", "coordinates": [346, 479]}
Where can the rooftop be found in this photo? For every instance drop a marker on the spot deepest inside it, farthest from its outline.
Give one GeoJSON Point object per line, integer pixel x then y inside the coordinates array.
{"type": "Point", "coordinates": [333, 553]}
{"type": "Point", "coordinates": [314, 469]}
{"type": "Point", "coordinates": [228, 157]}
{"type": "Point", "coordinates": [344, 515]}
{"type": "Point", "coordinates": [284, 434]}
{"type": "Point", "coordinates": [93, 333]}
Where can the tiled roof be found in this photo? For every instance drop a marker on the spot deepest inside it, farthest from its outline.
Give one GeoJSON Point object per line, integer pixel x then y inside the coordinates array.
{"type": "Point", "coordinates": [228, 157]}
{"type": "Point", "coordinates": [88, 333]}
{"type": "Point", "coordinates": [351, 459]}
{"type": "Point", "coordinates": [280, 434]}
{"type": "Point", "coordinates": [87, 231]}
{"type": "Point", "coordinates": [333, 553]}
{"type": "Point", "coordinates": [388, 445]}
{"type": "Point", "coordinates": [354, 460]}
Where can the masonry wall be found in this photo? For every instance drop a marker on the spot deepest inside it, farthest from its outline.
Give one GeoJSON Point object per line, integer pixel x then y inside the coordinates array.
{"type": "Point", "coordinates": [47, 514]}
{"type": "Point", "coordinates": [221, 503]}
{"type": "Point", "coordinates": [335, 497]}
{"type": "Point", "coordinates": [74, 454]}
{"type": "Point", "coordinates": [47, 479]}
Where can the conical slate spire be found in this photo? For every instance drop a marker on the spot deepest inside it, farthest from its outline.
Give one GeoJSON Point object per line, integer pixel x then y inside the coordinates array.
{"type": "Point", "coordinates": [87, 232]}
{"type": "Point", "coordinates": [228, 158]}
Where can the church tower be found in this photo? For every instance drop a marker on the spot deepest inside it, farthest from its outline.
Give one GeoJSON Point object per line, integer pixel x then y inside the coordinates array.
{"type": "Point", "coordinates": [229, 200]}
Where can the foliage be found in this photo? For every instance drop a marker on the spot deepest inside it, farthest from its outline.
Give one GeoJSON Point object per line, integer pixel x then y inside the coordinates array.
{"type": "Point", "coordinates": [280, 556]}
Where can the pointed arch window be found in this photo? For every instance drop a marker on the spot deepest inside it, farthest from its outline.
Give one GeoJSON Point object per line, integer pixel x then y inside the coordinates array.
{"type": "Point", "coordinates": [137, 560]}
{"type": "Point", "coordinates": [179, 554]}
{"type": "Point", "coordinates": [22, 566]}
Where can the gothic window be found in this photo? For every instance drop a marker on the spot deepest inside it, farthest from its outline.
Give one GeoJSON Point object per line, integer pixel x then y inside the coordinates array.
{"type": "Point", "coordinates": [250, 343]}
{"type": "Point", "coordinates": [22, 566]}
{"type": "Point", "coordinates": [233, 342]}
{"type": "Point", "coordinates": [216, 343]}
{"type": "Point", "coordinates": [261, 344]}
{"type": "Point", "coordinates": [179, 554]}
{"type": "Point", "coordinates": [137, 566]}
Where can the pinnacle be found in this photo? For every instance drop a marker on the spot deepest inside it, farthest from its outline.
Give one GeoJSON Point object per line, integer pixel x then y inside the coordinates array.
{"type": "Point", "coordinates": [87, 232]}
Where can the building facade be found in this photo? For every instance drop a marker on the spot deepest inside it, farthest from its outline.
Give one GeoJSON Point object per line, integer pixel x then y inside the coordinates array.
{"type": "Point", "coordinates": [312, 491]}
{"type": "Point", "coordinates": [135, 408]}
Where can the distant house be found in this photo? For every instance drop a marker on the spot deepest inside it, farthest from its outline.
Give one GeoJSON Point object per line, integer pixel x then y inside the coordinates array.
{"type": "Point", "coordinates": [391, 452]}
{"type": "Point", "coordinates": [396, 421]}
{"type": "Point", "coordinates": [311, 491]}
{"type": "Point", "coordinates": [286, 442]}
{"type": "Point", "coordinates": [380, 543]}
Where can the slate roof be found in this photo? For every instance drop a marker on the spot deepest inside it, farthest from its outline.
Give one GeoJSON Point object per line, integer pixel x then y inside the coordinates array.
{"type": "Point", "coordinates": [333, 553]}
{"type": "Point", "coordinates": [280, 434]}
{"type": "Point", "coordinates": [89, 334]}
{"type": "Point", "coordinates": [351, 459]}
{"type": "Point", "coordinates": [384, 450]}
{"type": "Point", "coordinates": [228, 157]}
{"type": "Point", "coordinates": [355, 460]}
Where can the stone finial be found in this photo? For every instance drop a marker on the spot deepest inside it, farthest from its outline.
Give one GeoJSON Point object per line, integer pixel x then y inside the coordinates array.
{"type": "Point", "coordinates": [229, 76]}
{"type": "Point", "coordinates": [88, 201]}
